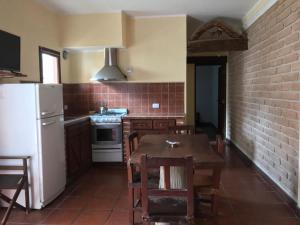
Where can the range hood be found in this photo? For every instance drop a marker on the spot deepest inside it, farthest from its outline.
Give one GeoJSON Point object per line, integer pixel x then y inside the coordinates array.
{"type": "Point", "coordinates": [110, 71]}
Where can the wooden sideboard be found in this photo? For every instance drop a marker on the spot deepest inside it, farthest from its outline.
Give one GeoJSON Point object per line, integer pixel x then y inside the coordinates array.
{"type": "Point", "coordinates": [148, 125]}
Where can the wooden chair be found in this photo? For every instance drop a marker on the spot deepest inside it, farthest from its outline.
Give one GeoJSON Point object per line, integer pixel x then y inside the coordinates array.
{"type": "Point", "coordinates": [17, 181]}
{"type": "Point", "coordinates": [182, 129]}
{"type": "Point", "coordinates": [167, 205]}
{"type": "Point", "coordinates": [134, 178]}
{"type": "Point", "coordinates": [207, 182]}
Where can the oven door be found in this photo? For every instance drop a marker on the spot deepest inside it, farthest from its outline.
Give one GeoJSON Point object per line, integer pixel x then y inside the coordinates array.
{"type": "Point", "coordinates": [106, 134]}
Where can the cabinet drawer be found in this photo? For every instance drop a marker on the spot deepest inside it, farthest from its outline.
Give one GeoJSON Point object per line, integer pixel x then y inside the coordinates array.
{"type": "Point", "coordinates": [163, 124]}
{"type": "Point", "coordinates": [141, 124]}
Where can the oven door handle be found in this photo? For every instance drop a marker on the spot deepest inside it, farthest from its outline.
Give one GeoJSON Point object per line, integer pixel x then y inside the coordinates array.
{"type": "Point", "coordinates": [99, 124]}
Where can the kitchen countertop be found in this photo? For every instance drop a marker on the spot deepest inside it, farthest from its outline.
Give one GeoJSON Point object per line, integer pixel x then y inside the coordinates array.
{"type": "Point", "coordinates": [69, 120]}
{"type": "Point", "coordinates": [155, 116]}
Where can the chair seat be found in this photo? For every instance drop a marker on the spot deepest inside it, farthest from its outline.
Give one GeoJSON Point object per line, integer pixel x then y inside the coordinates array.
{"type": "Point", "coordinates": [203, 180]}
{"type": "Point", "coordinates": [10, 181]}
{"type": "Point", "coordinates": [203, 192]}
{"type": "Point", "coordinates": [153, 179]}
{"type": "Point", "coordinates": [159, 206]}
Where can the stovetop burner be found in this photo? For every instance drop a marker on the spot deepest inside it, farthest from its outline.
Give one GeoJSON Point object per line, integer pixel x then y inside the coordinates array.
{"type": "Point", "coordinates": [111, 116]}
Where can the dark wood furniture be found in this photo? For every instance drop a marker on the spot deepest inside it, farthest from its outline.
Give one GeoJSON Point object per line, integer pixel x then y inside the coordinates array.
{"type": "Point", "coordinates": [190, 145]}
{"type": "Point", "coordinates": [134, 178]}
{"type": "Point", "coordinates": [148, 125]}
{"type": "Point", "coordinates": [17, 181]}
{"type": "Point", "coordinates": [182, 129]}
{"type": "Point", "coordinates": [167, 205]}
{"type": "Point", "coordinates": [8, 74]}
{"type": "Point", "coordinates": [217, 35]}
{"type": "Point", "coordinates": [78, 148]}
{"type": "Point", "coordinates": [207, 182]}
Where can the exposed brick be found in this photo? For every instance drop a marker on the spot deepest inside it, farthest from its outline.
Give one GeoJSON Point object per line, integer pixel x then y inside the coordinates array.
{"type": "Point", "coordinates": [284, 33]}
{"type": "Point", "coordinates": [291, 38]}
{"type": "Point", "coordinates": [264, 93]}
{"type": "Point", "coordinates": [296, 66]}
{"type": "Point", "coordinates": [291, 19]}
{"type": "Point", "coordinates": [296, 26]}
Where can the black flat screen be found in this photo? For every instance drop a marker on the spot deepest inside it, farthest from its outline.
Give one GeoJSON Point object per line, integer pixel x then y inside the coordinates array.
{"type": "Point", "coordinates": [9, 52]}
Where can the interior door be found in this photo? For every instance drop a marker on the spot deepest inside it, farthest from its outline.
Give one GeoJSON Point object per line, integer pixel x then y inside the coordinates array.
{"type": "Point", "coordinates": [52, 157]}
{"type": "Point", "coordinates": [222, 100]}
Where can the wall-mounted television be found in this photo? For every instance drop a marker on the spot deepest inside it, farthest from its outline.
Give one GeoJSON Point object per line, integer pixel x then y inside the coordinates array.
{"type": "Point", "coordinates": [9, 51]}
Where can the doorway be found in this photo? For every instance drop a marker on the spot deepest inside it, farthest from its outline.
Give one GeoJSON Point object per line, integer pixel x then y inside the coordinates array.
{"type": "Point", "coordinates": [210, 95]}
{"type": "Point", "coordinates": [49, 66]}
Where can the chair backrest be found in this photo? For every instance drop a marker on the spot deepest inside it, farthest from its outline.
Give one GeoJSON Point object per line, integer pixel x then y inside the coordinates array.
{"type": "Point", "coordinates": [132, 146]}
{"type": "Point", "coordinates": [218, 145]}
{"type": "Point", "coordinates": [148, 163]}
{"type": "Point", "coordinates": [221, 145]}
{"type": "Point", "coordinates": [15, 166]}
{"type": "Point", "coordinates": [182, 129]}
{"type": "Point", "coordinates": [132, 143]}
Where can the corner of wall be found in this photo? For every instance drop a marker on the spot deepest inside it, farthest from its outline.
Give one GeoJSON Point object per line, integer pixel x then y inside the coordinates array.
{"type": "Point", "coordinates": [256, 11]}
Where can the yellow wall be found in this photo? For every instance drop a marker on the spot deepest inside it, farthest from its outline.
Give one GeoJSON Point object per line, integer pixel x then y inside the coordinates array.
{"type": "Point", "coordinates": [101, 29]}
{"type": "Point", "coordinates": [82, 65]}
{"type": "Point", "coordinates": [36, 26]}
{"type": "Point", "coordinates": [156, 52]}
{"type": "Point", "coordinates": [156, 49]}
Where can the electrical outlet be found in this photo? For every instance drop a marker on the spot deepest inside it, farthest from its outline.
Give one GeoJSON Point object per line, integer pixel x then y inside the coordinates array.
{"type": "Point", "coordinates": [65, 107]}
{"type": "Point", "coordinates": [155, 105]}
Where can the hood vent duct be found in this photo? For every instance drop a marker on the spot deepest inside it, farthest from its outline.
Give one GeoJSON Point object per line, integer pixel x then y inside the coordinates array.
{"type": "Point", "coordinates": [110, 71]}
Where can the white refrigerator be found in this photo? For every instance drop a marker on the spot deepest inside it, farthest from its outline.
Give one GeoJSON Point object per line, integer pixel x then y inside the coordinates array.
{"type": "Point", "coordinates": [32, 123]}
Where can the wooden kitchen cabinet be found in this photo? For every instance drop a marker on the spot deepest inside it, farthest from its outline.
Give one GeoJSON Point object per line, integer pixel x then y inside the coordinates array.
{"type": "Point", "coordinates": [163, 124]}
{"type": "Point", "coordinates": [141, 124]}
{"type": "Point", "coordinates": [78, 148]}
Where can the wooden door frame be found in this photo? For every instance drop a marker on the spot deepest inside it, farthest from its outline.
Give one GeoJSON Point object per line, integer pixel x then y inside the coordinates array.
{"type": "Point", "coordinates": [210, 61]}
{"type": "Point", "coordinates": [53, 53]}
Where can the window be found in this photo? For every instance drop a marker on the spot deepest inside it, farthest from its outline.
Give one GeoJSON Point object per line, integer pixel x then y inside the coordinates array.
{"type": "Point", "coordinates": [49, 66]}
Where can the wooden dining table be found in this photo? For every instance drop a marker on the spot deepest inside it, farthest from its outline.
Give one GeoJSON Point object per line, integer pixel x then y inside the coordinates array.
{"type": "Point", "coordinates": [197, 146]}
{"type": "Point", "coordinates": [189, 145]}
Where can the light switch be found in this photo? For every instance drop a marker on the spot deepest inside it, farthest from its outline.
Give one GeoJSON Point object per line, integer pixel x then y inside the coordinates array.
{"type": "Point", "coordinates": [155, 105]}
{"type": "Point", "coordinates": [65, 107]}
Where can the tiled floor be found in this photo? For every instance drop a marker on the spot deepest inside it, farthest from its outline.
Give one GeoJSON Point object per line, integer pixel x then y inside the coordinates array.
{"type": "Point", "coordinates": [100, 197]}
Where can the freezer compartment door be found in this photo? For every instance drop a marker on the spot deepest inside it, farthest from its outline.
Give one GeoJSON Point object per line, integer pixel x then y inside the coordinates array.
{"type": "Point", "coordinates": [49, 100]}
{"type": "Point", "coordinates": [52, 158]}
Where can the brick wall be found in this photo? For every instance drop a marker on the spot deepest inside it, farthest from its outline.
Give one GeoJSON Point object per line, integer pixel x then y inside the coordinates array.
{"type": "Point", "coordinates": [137, 97]}
{"type": "Point", "coordinates": [264, 94]}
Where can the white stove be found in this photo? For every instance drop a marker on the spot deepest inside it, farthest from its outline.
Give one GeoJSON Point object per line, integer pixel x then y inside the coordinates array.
{"type": "Point", "coordinates": [111, 116]}
{"type": "Point", "coordinates": [107, 135]}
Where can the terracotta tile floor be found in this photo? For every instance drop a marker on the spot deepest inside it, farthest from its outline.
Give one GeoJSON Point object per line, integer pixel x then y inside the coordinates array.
{"type": "Point", "coordinates": [100, 198]}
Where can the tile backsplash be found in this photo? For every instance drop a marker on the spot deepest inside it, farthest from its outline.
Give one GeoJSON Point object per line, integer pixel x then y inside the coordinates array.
{"type": "Point", "coordinates": [137, 97]}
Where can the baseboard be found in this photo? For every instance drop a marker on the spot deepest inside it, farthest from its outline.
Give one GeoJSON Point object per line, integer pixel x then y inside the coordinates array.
{"type": "Point", "coordinates": [290, 200]}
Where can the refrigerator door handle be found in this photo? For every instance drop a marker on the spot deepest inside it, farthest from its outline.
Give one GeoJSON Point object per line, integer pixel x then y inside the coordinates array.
{"type": "Point", "coordinates": [46, 113]}
{"type": "Point", "coordinates": [49, 123]}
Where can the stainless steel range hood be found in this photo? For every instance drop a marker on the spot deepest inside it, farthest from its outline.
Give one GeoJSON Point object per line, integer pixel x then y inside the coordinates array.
{"type": "Point", "coordinates": [110, 71]}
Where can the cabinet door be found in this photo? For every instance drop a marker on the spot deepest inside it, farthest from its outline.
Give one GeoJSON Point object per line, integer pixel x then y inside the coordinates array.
{"type": "Point", "coordinates": [86, 150]}
{"type": "Point", "coordinates": [73, 148]}
{"type": "Point", "coordinates": [163, 124]}
{"type": "Point", "coordinates": [141, 124]}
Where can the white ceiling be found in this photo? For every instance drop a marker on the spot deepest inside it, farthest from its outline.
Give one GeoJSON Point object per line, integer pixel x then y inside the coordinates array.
{"type": "Point", "coordinates": [200, 9]}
